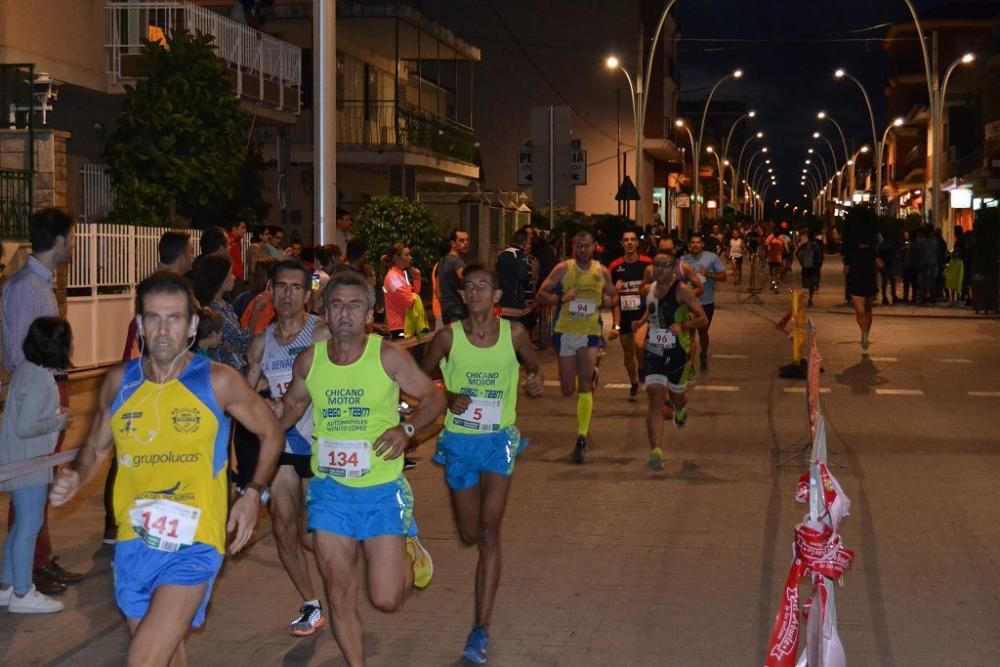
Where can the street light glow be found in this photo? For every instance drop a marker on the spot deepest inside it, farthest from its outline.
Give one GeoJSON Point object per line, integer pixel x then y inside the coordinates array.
{"type": "Point", "coordinates": [752, 114]}
{"type": "Point", "coordinates": [767, 161]}
{"type": "Point", "coordinates": [810, 151]}
{"type": "Point", "coordinates": [611, 62]}
{"type": "Point", "coordinates": [821, 115]}
{"type": "Point", "coordinates": [839, 74]}
{"type": "Point", "coordinates": [709, 149]}
{"type": "Point", "coordinates": [968, 58]}
{"type": "Point", "coordinates": [725, 163]}
{"type": "Point", "coordinates": [897, 122]}
{"type": "Point", "coordinates": [679, 122]}
{"type": "Point", "coordinates": [760, 135]}
{"type": "Point", "coordinates": [864, 149]}
{"type": "Point", "coordinates": [764, 149]}
{"type": "Point", "coordinates": [737, 73]}
{"type": "Point", "coordinates": [816, 135]}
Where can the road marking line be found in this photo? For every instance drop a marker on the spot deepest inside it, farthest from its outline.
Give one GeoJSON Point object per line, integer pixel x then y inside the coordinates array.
{"type": "Point", "coordinates": [802, 390]}
{"type": "Point", "coordinates": [985, 394]}
{"type": "Point", "coordinates": [716, 387]}
{"type": "Point", "coordinates": [615, 385]}
{"type": "Point", "coordinates": [730, 356]}
{"type": "Point", "coordinates": [552, 383]}
{"type": "Point", "coordinates": [955, 360]}
{"type": "Point", "coordinates": [886, 359]}
{"type": "Point", "coordinates": [899, 392]}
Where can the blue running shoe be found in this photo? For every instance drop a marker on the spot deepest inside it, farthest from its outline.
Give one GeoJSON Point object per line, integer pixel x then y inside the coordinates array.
{"type": "Point", "coordinates": [475, 646]}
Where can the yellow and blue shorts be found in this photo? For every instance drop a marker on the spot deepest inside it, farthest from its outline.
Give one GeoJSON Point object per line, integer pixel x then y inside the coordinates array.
{"type": "Point", "coordinates": [466, 455]}
{"type": "Point", "coordinates": [361, 512]}
{"type": "Point", "coordinates": [139, 570]}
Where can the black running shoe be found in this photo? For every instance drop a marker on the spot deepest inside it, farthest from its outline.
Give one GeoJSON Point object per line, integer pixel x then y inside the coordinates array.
{"type": "Point", "coordinates": [581, 445]}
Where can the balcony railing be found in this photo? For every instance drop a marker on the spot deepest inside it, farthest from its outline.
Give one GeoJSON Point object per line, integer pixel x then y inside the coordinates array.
{"type": "Point", "coordinates": [383, 123]}
{"type": "Point", "coordinates": [265, 68]}
{"type": "Point", "coordinates": [15, 203]}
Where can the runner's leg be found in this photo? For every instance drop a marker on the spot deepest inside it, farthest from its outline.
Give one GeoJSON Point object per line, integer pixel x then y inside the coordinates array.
{"type": "Point", "coordinates": [287, 508]}
{"type": "Point", "coordinates": [494, 503]}
{"type": "Point", "coordinates": [335, 556]}
{"type": "Point", "coordinates": [657, 393]}
{"type": "Point", "coordinates": [158, 637]}
{"type": "Point", "coordinates": [567, 375]}
{"type": "Point", "coordinates": [858, 302]}
{"type": "Point", "coordinates": [628, 347]}
{"type": "Point", "coordinates": [465, 503]}
{"type": "Point", "coordinates": [390, 574]}
{"type": "Point", "coordinates": [586, 361]}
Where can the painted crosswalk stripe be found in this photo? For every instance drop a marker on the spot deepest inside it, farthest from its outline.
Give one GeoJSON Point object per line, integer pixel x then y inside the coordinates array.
{"type": "Point", "coordinates": [802, 390]}
{"type": "Point", "coordinates": [617, 385]}
{"type": "Point", "coordinates": [885, 359]}
{"type": "Point", "coordinates": [552, 383]}
{"type": "Point", "coordinates": [985, 394]}
{"type": "Point", "coordinates": [899, 392]}
{"type": "Point", "coordinates": [955, 360]}
{"type": "Point", "coordinates": [730, 356]}
{"type": "Point", "coordinates": [716, 387]}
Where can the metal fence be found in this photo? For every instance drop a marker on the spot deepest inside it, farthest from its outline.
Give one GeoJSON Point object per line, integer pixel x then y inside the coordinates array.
{"type": "Point", "coordinates": [249, 52]}
{"type": "Point", "coordinates": [15, 203]}
{"type": "Point", "coordinates": [380, 123]}
{"type": "Point", "coordinates": [98, 196]}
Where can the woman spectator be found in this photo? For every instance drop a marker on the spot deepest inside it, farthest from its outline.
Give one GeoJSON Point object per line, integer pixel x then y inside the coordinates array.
{"type": "Point", "coordinates": [398, 289]}
{"type": "Point", "coordinates": [31, 425]}
{"type": "Point", "coordinates": [736, 255]}
{"type": "Point", "coordinates": [213, 278]}
{"type": "Point", "coordinates": [861, 265]}
{"type": "Point", "coordinates": [258, 285]}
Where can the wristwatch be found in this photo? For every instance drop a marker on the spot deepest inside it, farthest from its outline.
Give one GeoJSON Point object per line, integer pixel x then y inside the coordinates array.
{"type": "Point", "coordinates": [262, 491]}
{"type": "Point", "coordinates": [408, 429]}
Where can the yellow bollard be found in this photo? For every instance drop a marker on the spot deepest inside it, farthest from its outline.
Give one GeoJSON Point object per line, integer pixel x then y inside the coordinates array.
{"type": "Point", "coordinates": [799, 326]}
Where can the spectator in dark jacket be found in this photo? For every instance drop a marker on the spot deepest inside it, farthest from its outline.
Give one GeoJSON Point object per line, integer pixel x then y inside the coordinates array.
{"type": "Point", "coordinates": [514, 272]}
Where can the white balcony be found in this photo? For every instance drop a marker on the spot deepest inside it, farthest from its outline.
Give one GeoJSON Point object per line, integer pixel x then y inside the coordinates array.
{"type": "Point", "coordinates": [265, 71]}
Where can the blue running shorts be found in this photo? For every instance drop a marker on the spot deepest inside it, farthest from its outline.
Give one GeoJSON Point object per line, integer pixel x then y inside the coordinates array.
{"type": "Point", "coordinates": [139, 570]}
{"type": "Point", "coordinates": [361, 512]}
{"type": "Point", "coordinates": [466, 455]}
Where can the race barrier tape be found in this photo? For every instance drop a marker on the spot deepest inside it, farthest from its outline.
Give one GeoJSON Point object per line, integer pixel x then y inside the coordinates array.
{"type": "Point", "coordinates": [819, 553]}
{"type": "Point", "coordinates": [28, 466]}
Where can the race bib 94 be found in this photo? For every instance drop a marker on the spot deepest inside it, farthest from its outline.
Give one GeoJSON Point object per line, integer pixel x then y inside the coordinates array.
{"type": "Point", "coordinates": [582, 307]}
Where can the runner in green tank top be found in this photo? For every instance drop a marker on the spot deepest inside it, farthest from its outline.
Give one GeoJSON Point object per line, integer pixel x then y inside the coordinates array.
{"type": "Point", "coordinates": [359, 495]}
{"type": "Point", "coordinates": [478, 357]}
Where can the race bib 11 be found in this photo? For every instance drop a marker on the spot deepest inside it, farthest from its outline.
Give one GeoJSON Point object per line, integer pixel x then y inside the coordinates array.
{"type": "Point", "coordinates": [164, 525]}
{"type": "Point", "coordinates": [348, 459]}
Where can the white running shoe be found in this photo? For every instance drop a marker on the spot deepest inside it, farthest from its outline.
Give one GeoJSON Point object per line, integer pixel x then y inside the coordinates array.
{"type": "Point", "coordinates": [5, 596]}
{"type": "Point", "coordinates": [34, 602]}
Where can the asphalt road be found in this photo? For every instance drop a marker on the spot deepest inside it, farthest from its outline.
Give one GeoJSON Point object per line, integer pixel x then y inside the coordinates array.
{"type": "Point", "coordinates": [612, 564]}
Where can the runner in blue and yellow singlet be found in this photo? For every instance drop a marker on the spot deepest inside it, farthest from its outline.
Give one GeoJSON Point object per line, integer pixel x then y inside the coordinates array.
{"type": "Point", "coordinates": [478, 357]}
{"type": "Point", "coordinates": [165, 417]}
{"type": "Point", "coordinates": [358, 494]}
{"type": "Point", "coordinates": [579, 287]}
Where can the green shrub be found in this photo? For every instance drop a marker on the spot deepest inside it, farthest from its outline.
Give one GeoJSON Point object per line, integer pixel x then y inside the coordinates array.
{"type": "Point", "coordinates": [388, 220]}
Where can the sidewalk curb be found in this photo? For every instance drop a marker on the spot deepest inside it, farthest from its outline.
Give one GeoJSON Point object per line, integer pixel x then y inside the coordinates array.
{"type": "Point", "coordinates": [971, 316]}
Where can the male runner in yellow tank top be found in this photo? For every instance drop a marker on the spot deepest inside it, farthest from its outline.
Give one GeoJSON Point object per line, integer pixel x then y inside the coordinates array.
{"type": "Point", "coordinates": [358, 494]}
{"type": "Point", "coordinates": [165, 415]}
{"type": "Point", "coordinates": [580, 287]}
{"type": "Point", "coordinates": [479, 362]}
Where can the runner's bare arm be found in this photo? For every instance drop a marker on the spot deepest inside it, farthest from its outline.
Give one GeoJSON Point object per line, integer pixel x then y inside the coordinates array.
{"type": "Point", "coordinates": [296, 398]}
{"type": "Point", "coordinates": [438, 350]}
{"type": "Point", "coordinates": [98, 445]}
{"type": "Point", "coordinates": [255, 355]}
{"type": "Point", "coordinates": [239, 400]}
{"type": "Point", "coordinates": [526, 352]}
{"type": "Point", "coordinates": [696, 284]}
{"type": "Point", "coordinates": [401, 367]}
{"type": "Point", "coordinates": [698, 319]}
{"type": "Point", "coordinates": [647, 280]}
{"type": "Point", "coordinates": [547, 292]}
{"type": "Point", "coordinates": [609, 294]}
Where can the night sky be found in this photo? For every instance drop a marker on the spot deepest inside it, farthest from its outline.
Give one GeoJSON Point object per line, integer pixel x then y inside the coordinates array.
{"type": "Point", "coordinates": [788, 50]}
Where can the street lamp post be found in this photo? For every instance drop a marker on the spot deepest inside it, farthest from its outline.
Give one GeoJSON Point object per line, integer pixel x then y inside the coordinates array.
{"type": "Point", "coordinates": [885, 135]}
{"type": "Point", "coordinates": [695, 208]}
{"type": "Point", "coordinates": [843, 74]}
{"type": "Point", "coordinates": [682, 125]}
{"type": "Point", "coordinates": [851, 163]}
{"type": "Point", "coordinates": [718, 162]}
{"type": "Point", "coordinates": [833, 156]}
{"type": "Point", "coordinates": [938, 136]}
{"type": "Point", "coordinates": [739, 161]}
{"type": "Point", "coordinates": [729, 137]}
{"type": "Point", "coordinates": [635, 95]}
{"type": "Point", "coordinates": [822, 115]}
